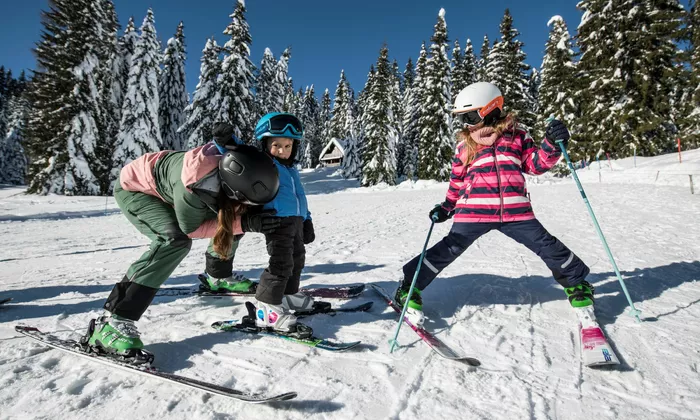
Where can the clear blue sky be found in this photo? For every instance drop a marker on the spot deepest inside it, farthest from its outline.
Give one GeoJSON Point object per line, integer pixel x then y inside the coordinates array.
{"type": "Point", "coordinates": [325, 36]}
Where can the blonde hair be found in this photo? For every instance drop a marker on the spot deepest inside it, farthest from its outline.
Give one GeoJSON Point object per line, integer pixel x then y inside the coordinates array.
{"type": "Point", "coordinates": [469, 146]}
{"type": "Point", "coordinates": [229, 211]}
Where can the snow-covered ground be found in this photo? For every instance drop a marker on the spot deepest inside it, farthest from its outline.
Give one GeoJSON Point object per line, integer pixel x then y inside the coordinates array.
{"type": "Point", "coordinates": [60, 256]}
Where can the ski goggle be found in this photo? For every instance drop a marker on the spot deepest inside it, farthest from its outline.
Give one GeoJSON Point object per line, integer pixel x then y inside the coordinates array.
{"type": "Point", "coordinates": [476, 116]}
{"type": "Point", "coordinates": [470, 118]}
{"type": "Point", "coordinates": [284, 125]}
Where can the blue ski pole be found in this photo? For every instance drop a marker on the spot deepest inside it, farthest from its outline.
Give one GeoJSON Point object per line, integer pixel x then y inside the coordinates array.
{"type": "Point", "coordinates": [394, 343]}
{"type": "Point", "coordinates": [633, 311]}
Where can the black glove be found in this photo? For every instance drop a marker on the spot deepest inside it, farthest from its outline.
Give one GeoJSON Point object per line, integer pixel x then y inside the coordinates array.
{"type": "Point", "coordinates": [438, 214]}
{"type": "Point", "coordinates": [556, 130]}
{"type": "Point", "coordinates": [223, 135]}
{"type": "Point", "coordinates": [262, 222]}
{"type": "Point", "coordinates": [309, 235]}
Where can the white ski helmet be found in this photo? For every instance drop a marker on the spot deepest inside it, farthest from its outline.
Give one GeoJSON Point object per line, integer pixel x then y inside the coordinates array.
{"type": "Point", "coordinates": [478, 102]}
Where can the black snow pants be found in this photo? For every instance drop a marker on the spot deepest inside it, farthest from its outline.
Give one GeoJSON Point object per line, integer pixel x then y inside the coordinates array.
{"type": "Point", "coordinates": [287, 255]}
{"type": "Point", "coordinates": [566, 267]}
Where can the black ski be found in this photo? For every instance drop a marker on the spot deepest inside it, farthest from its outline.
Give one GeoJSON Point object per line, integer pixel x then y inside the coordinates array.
{"type": "Point", "coordinates": [339, 292]}
{"type": "Point", "coordinates": [321, 307]}
{"type": "Point", "coordinates": [73, 347]}
{"type": "Point", "coordinates": [5, 300]}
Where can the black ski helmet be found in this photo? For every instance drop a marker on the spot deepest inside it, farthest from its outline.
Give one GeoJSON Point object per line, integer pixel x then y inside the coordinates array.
{"type": "Point", "coordinates": [248, 175]}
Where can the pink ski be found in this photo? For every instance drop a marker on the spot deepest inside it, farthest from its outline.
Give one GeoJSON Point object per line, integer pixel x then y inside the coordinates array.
{"type": "Point", "coordinates": [595, 350]}
{"type": "Point", "coordinates": [438, 346]}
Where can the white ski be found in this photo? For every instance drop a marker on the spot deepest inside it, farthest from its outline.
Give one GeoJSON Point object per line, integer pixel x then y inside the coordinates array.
{"type": "Point", "coordinates": [595, 350]}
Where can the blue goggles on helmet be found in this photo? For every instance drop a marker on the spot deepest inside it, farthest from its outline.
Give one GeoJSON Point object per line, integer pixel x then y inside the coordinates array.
{"type": "Point", "coordinates": [283, 125]}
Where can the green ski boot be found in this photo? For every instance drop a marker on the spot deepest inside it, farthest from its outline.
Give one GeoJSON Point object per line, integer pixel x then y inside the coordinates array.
{"type": "Point", "coordinates": [580, 295]}
{"type": "Point", "coordinates": [236, 283]}
{"type": "Point", "coordinates": [117, 336]}
{"type": "Point", "coordinates": [414, 312]}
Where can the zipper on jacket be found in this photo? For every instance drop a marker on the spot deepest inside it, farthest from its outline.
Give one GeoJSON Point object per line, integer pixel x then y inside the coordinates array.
{"type": "Point", "coordinates": [498, 174]}
{"type": "Point", "coordinates": [294, 190]}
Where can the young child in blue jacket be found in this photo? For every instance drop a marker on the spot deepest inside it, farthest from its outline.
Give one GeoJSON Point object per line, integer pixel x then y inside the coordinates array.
{"type": "Point", "coordinates": [278, 292]}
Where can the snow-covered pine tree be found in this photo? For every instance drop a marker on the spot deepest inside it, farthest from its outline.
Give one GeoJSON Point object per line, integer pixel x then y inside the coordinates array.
{"type": "Point", "coordinates": [351, 166]}
{"type": "Point", "coordinates": [507, 70]}
{"type": "Point", "coordinates": [13, 160]}
{"type": "Point", "coordinates": [266, 99]}
{"type": "Point", "coordinates": [409, 120]}
{"type": "Point", "coordinates": [298, 102]}
{"type": "Point", "coordinates": [311, 145]}
{"type": "Point", "coordinates": [353, 102]}
{"type": "Point", "coordinates": [361, 115]}
{"type": "Point", "coordinates": [378, 158]}
{"type": "Point", "coordinates": [459, 76]}
{"type": "Point", "coordinates": [347, 123]}
{"type": "Point", "coordinates": [4, 98]}
{"type": "Point", "coordinates": [3, 102]}
{"type": "Point", "coordinates": [396, 117]}
{"type": "Point", "coordinates": [108, 124]}
{"type": "Point", "coordinates": [101, 24]}
{"type": "Point", "coordinates": [416, 107]}
{"type": "Point", "coordinates": [284, 87]}
{"type": "Point", "coordinates": [324, 122]}
{"type": "Point", "coordinates": [52, 85]}
{"type": "Point", "coordinates": [234, 98]}
{"type": "Point", "coordinates": [139, 131]}
{"type": "Point", "coordinates": [200, 113]}
{"type": "Point", "coordinates": [126, 45]}
{"type": "Point", "coordinates": [628, 53]}
{"type": "Point", "coordinates": [292, 102]}
{"type": "Point", "coordinates": [341, 109]}
{"type": "Point", "coordinates": [280, 81]}
{"type": "Point", "coordinates": [596, 44]}
{"type": "Point", "coordinates": [470, 64]}
{"type": "Point", "coordinates": [436, 142]}
{"type": "Point", "coordinates": [533, 90]}
{"type": "Point", "coordinates": [68, 98]}
{"type": "Point", "coordinates": [172, 92]}
{"type": "Point", "coordinates": [556, 90]}
{"type": "Point", "coordinates": [482, 67]}
{"type": "Point", "coordinates": [687, 108]}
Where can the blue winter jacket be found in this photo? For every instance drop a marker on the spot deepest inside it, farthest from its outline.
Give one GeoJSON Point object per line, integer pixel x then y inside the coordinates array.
{"type": "Point", "coordinates": [291, 199]}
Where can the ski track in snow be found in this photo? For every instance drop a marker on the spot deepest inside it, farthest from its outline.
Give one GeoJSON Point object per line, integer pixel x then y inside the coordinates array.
{"type": "Point", "coordinates": [61, 256]}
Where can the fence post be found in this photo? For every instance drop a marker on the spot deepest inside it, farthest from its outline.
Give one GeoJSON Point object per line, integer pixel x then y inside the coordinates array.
{"type": "Point", "coordinates": [609, 162]}
{"type": "Point", "coordinates": [680, 160]}
{"type": "Point", "coordinates": [657, 176]}
{"type": "Point", "coordinates": [692, 191]}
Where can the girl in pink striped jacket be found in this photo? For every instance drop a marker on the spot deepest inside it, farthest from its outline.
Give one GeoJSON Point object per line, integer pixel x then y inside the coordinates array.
{"type": "Point", "coordinates": [487, 192]}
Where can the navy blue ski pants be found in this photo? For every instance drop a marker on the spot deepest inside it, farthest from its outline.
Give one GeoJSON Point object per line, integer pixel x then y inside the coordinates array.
{"type": "Point", "coordinates": [566, 267]}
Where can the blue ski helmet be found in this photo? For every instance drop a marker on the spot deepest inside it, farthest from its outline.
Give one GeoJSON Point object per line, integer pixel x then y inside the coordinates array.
{"type": "Point", "coordinates": [279, 124]}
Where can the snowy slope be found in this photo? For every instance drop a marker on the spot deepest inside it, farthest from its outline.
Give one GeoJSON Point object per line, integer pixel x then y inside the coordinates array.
{"type": "Point", "coordinates": [60, 257]}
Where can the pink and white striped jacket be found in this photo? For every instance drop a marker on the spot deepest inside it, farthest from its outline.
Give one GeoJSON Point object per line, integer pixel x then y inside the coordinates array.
{"type": "Point", "coordinates": [492, 187]}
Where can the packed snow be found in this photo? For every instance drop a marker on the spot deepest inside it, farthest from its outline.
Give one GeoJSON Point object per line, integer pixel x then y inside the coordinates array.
{"type": "Point", "coordinates": [61, 256]}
